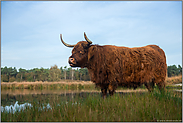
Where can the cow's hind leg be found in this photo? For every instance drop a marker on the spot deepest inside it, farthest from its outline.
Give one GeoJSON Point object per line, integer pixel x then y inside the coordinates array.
{"type": "Point", "coordinates": [150, 86]}
{"type": "Point", "coordinates": [161, 86]}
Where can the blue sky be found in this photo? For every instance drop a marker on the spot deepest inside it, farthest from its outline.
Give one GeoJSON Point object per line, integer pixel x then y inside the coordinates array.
{"type": "Point", "coordinates": [30, 30]}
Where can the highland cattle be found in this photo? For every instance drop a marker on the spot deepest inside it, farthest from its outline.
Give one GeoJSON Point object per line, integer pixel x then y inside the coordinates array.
{"type": "Point", "coordinates": [112, 66]}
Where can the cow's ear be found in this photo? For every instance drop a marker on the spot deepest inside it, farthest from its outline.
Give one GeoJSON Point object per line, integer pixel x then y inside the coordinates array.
{"type": "Point", "coordinates": [91, 52]}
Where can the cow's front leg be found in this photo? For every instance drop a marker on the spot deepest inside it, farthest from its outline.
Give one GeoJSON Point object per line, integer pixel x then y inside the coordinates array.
{"type": "Point", "coordinates": [104, 92]}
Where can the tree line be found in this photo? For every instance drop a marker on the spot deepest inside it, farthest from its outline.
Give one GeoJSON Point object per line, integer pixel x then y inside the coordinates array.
{"type": "Point", "coordinates": [56, 74]}
{"type": "Point", "coordinates": [173, 70]}
{"type": "Point", "coordinates": [50, 74]}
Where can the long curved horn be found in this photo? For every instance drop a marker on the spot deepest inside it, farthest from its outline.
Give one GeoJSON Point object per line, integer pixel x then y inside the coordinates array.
{"type": "Point", "coordinates": [90, 42]}
{"type": "Point", "coordinates": [67, 45]}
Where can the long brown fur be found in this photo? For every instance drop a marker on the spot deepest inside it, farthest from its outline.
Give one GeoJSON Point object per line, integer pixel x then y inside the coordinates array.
{"type": "Point", "coordinates": [123, 66]}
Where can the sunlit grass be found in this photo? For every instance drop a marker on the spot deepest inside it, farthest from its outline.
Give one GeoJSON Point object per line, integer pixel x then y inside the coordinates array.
{"type": "Point", "coordinates": [48, 85]}
{"type": "Point", "coordinates": [173, 80]}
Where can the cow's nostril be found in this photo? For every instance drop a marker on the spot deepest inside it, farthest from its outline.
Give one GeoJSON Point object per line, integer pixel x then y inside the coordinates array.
{"type": "Point", "coordinates": [71, 59]}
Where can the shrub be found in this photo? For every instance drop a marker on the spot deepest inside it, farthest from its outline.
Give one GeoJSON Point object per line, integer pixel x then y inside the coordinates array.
{"type": "Point", "coordinates": [12, 79]}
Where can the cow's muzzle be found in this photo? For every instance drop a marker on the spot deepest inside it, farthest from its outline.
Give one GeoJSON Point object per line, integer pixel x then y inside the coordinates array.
{"type": "Point", "coordinates": [72, 62]}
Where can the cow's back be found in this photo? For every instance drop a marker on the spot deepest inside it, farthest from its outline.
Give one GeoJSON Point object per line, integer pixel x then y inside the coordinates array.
{"type": "Point", "coordinates": [143, 64]}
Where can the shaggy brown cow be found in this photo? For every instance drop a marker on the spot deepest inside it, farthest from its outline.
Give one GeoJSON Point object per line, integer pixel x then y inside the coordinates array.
{"type": "Point", "coordinates": [111, 66]}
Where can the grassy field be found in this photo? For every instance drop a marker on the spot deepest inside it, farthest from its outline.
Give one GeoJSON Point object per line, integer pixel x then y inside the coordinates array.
{"type": "Point", "coordinates": [132, 107]}
{"type": "Point", "coordinates": [138, 106]}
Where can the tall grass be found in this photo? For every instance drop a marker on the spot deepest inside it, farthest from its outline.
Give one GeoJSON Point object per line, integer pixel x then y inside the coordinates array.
{"type": "Point", "coordinates": [129, 107]}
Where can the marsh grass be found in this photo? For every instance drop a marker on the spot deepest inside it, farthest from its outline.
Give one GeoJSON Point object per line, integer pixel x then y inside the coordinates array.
{"type": "Point", "coordinates": [50, 86]}
{"type": "Point", "coordinates": [66, 84]}
{"type": "Point", "coordinates": [76, 85]}
{"type": "Point", "coordinates": [173, 80]}
{"type": "Point", "coordinates": [120, 107]}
